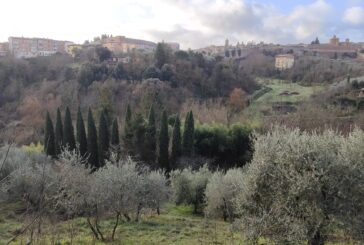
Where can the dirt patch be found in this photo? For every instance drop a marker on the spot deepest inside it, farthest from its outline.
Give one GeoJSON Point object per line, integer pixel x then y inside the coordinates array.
{"type": "Point", "coordinates": [288, 93]}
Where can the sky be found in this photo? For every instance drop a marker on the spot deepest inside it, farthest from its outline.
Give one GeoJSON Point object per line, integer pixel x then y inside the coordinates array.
{"type": "Point", "coordinates": [192, 23]}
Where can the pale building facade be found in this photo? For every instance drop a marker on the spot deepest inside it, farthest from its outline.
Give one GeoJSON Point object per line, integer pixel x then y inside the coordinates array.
{"type": "Point", "coordinates": [284, 61]}
{"type": "Point", "coordinates": [174, 46]}
{"type": "Point", "coordinates": [4, 49]}
{"type": "Point", "coordinates": [22, 47]}
{"type": "Point", "coordinates": [121, 44]}
{"type": "Point", "coordinates": [335, 41]}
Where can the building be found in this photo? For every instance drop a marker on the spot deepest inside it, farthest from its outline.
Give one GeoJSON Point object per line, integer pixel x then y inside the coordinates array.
{"type": "Point", "coordinates": [335, 41]}
{"type": "Point", "coordinates": [121, 44]}
{"type": "Point", "coordinates": [334, 49]}
{"type": "Point", "coordinates": [4, 49]}
{"type": "Point", "coordinates": [284, 61]}
{"type": "Point", "coordinates": [174, 46]}
{"type": "Point", "coordinates": [22, 47]}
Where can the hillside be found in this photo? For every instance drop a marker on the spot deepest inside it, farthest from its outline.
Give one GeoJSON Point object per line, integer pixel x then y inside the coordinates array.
{"type": "Point", "coordinates": [280, 96]}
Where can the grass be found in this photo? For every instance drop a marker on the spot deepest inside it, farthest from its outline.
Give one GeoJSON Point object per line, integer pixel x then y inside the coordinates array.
{"type": "Point", "coordinates": [296, 94]}
{"type": "Point", "coordinates": [176, 225]}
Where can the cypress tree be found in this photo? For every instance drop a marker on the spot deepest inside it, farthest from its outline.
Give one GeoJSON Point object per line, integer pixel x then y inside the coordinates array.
{"type": "Point", "coordinates": [68, 132]}
{"type": "Point", "coordinates": [150, 137]}
{"type": "Point", "coordinates": [92, 146]}
{"type": "Point", "coordinates": [59, 133]}
{"type": "Point", "coordinates": [81, 134]}
{"type": "Point", "coordinates": [188, 135]}
{"type": "Point", "coordinates": [128, 130]}
{"type": "Point", "coordinates": [138, 131]}
{"type": "Point", "coordinates": [176, 140]}
{"type": "Point", "coordinates": [49, 139]}
{"type": "Point", "coordinates": [163, 143]}
{"type": "Point", "coordinates": [115, 140]}
{"type": "Point", "coordinates": [104, 142]}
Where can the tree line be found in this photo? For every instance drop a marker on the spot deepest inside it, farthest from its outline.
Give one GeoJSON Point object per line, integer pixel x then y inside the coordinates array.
{"type": "Point", "coordinates": [162, 144]}
{"type": "Point", "coordinates": [139, 139]}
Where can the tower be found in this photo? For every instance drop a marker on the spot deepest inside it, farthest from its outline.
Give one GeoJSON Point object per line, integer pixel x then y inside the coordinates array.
{"type": "Point", "coordinates": [334, 41]}
{"type": "Point", "coordinates": [226, 43]}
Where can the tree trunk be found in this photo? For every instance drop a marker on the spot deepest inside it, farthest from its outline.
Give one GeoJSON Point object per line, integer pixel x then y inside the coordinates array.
{"type": "Point", "coordinates": [98, 229]}
{"type": "Point", "coordinates": [127, 217]}
{"type": "Point", "coordinates": [158, 210]}
{"type": "Point", "coordinates": [115, 226]}
{"type": "Point", "coordinates": [225, 212]}
{"type": "Point", "coordinates": [317, 239]}
{"type": "Point", "coordinates": [138, 212]}
{"type": "Point", "coordinates": [92, 228]}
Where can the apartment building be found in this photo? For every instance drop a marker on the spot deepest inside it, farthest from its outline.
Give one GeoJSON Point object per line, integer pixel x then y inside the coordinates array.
{"type": "Point", "coordinates": [4, 49]}
{"type": "Point", "coordinates": [22, 47]}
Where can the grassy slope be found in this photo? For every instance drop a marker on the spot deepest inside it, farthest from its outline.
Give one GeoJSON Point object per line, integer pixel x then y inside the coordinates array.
{"type": "Point", "coordinates": [176, 225]}
{"type": "Point", "coordinates": [265, 101]}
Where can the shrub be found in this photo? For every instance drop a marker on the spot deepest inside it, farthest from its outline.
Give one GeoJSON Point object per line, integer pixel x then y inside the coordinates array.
{"type": "Point", "coordinates": [229, 147]}
{"type": "Point", "coordinates": [33, 148]}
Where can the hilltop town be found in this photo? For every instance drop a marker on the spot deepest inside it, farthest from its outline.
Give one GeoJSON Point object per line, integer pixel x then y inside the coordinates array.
{"type": "Point", "coordinates": [285, 55]}
{"type": "Point", "coordinates": [23, 47]}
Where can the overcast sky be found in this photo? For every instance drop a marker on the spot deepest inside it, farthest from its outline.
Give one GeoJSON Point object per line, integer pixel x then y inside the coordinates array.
{"type": "Point", "coordinates": [193, 23]}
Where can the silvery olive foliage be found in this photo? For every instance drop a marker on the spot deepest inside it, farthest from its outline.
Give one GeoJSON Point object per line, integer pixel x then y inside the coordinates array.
{"type": "Point", "coordinates": [301, 186]}
{"type": "Point", "coordinates": [189, 186]}
{"type": "Point", "coordinates": [16, 158]}
{"type": "Point", "coordinates": [221, 192]}
{"type": "Point", "coordinates": [24, 175]}
{"type": "Point", "coordinates": [69, 188]}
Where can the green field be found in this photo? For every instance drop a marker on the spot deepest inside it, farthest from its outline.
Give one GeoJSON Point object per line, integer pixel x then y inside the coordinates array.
{"type": "Point", "coordinates": [176, 225]}
{"type": "Point", "coordinates": [280, 92]}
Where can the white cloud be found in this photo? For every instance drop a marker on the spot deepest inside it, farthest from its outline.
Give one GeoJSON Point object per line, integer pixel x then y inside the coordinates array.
{"type": "Point", "coordinates": [354, 15]}
{"type": "Point", "coordinates": [239, 20]}
{"type": "Point", "coordinates": [194, 23]}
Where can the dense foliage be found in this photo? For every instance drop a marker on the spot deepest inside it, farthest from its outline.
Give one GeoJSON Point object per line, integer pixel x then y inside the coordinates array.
{"type": "Point", "coordinates": [67, 189]}
{"type": "Point", "coordinates": [301, 186]}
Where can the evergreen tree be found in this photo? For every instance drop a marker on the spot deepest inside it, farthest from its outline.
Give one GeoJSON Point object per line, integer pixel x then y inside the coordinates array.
{"type": "Point", "coordinates": [188, 135]}
{"type": "Point", "coordinates": [128, 130]}
{"type": "Point", "coordinates": [81, 134]}
{"type": "Point", "coordinates": [92, 146]}
{"type": "Point", "coordinates": [115, 140]}
{"type": "Point", "coordinates": [138, 132]}
{"type": "Point", "coordinates": [49, 139]}
{"type": "Point", "coordinates": [150, 137]}
{"type": "Point", "coordinates": [163, 143]}
{"type": "Point", "coordinates": [162, 55]}
{"type": "Point", "coordinates": [59, 133]}
{"type": "Point", "coordinates": [68, 132]}
{"type": "Point", "coordinates": [176, 140]}
{"type": "Point", "coordinates": [104, 142]}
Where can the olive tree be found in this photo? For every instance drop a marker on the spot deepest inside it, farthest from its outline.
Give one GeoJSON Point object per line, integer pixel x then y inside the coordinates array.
{"type": "Point", "coordinates": [300, 186]}
{"type": "Point", "coordinates": [13, 158]}
{"type": "Point", "coordinates": [121, 188]}
{"type": "Point", "coordinates": [221, 192]}
{"type": "Point", "coordinates": [189, 186]}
